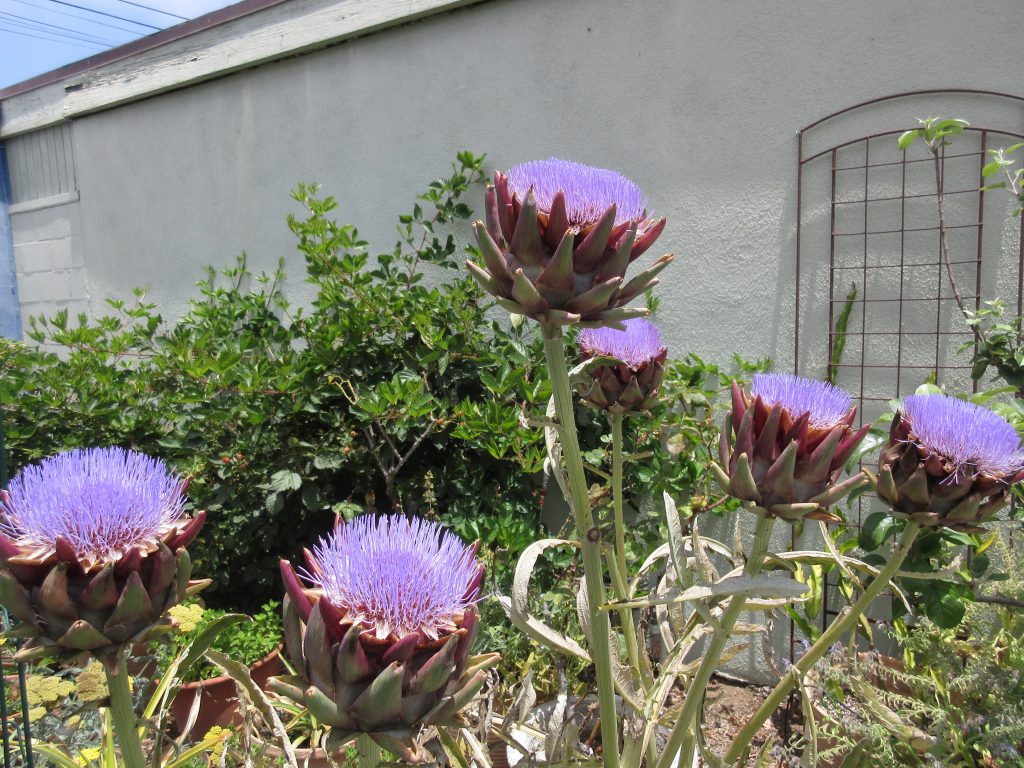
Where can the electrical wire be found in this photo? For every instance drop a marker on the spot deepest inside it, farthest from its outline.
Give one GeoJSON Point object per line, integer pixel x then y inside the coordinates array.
{"type": "Point", "coordinates": [76, 16]}
{"type": "Point", "coordinates": [104, 13]}
{"type": "Point", "coordinates": [50, 39]}
{"type": "Point", "coordinates": [155, 10]}
{"type": "Point", "coordinates": [24, 21]}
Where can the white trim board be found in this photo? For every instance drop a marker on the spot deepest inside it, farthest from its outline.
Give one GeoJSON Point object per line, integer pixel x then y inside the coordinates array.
{"type": "Point", "coordinates": [272, 33]}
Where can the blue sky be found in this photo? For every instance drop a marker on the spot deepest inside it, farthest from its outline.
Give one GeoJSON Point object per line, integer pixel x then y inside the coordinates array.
{"type": "Point", "coordinates": [39, 35]}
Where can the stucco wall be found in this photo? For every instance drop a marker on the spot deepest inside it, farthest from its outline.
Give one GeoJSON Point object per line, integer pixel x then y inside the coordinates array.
{"type": "Point", "coordinates": [696, 101]}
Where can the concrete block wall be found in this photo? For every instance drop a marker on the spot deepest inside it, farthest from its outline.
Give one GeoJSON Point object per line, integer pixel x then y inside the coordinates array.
{"type": "Point", "coordinates": [48, 260]}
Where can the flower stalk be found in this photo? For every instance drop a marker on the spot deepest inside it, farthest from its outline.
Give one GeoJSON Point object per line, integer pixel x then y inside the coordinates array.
{"type": "Point", "coordinates": [685, 730]}
{"type": "Point", "coordinates": [828, 638]}
{"type": "Point", "coordinates": [122, 712]}
{"type": "Point", "coordinates": [589, 537]}
{"type": "Point", "coordinates": [638, 663]}
{"type": "Point", "coordinates": [369, 751]}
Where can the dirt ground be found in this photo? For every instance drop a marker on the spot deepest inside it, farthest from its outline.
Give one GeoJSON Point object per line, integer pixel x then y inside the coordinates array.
{"type": "Point", "coordinates": [728, 707]}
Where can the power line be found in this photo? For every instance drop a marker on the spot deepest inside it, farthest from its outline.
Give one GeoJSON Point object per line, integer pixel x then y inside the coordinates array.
{"type": "Point", "coordinates": [104, 13]}
{"type": "Point", "coordinates": [75, 16]}
{"type": "Point", "coordinates": [49, 39]}
{"type": "Point", "coordinates": [155, 10]}
{"type": "Point", "coordinates": [13, 18]}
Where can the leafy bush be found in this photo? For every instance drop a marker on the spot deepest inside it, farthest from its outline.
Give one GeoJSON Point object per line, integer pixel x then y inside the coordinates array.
{"type": "Point", "coordinates": [246, 641]}
{"type": "Point", "coordinates": [958, 701]}
{"type": "Point", "coordinates": [283, 417]}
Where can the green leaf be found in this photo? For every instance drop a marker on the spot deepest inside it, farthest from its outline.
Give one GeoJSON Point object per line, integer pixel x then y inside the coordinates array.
{"type": "Point", "coordinates": [874, 531]}
{"type": "Point", "coordinates": [906, 139]}
{"type": "Point", "coordinates": [285, 480]}
{"type": "Point", "coordinates": [944, 604]}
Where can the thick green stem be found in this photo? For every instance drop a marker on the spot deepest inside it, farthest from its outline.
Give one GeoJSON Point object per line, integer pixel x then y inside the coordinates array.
{"type": "Point", "coordinates": [590, 540]}
{"type": "Point", "coordinates": [369, 751]}
{"type": "Point", "coordinates": [641, 669]}
{"type": "Point", "coordinates": [617, 502]}
{"type": "Point", "coordinates": [642, 676]}
{"type": "Point", "coordinates": [828, 638]}
{"type": "Point", "coordinates": [122, 711]}
{"type": "Point", "coordinates": [685, 729]}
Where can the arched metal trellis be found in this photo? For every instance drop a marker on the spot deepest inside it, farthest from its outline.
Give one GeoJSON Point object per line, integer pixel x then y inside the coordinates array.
{"type": "Point", "coordinates": [867, 240]}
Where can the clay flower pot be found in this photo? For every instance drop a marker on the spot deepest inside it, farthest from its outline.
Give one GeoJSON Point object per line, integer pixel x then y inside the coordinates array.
{"type": "Point", "coordinates": [305, 756]}
{"type": "Point", "coordinates": [219, 697]}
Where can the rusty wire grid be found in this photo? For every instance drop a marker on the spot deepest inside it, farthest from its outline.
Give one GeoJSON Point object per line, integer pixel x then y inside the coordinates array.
{"type": "Point", "coordinates": [867, 236]}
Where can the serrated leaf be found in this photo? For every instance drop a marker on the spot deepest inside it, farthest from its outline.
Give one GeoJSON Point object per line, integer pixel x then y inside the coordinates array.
{"type": "Point", "coordinates": [517, 605]}
{"type": "Point", "coordinates": [761, 586]}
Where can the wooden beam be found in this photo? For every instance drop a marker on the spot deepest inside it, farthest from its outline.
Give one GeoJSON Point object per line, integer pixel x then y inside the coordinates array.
{"type": "Point", "coordinates": [283, 30]}
{"type": "Point", "coordinates": [264, 35]}
{"type": "Point", "coordinates": [31, 110]}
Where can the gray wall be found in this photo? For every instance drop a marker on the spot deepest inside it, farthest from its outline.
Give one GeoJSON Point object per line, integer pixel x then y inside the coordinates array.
{"type": "Point", "coordinates": [697, 102]}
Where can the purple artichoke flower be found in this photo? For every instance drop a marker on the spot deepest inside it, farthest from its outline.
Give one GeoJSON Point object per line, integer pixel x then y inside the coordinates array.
{"type": "Point", "coordinates": [948, 463]}
{"type": "Point", "coordinates": [382, 637]}
{"type": "Point", "coordinates": [784, 445]}
{"type": "Point", "coordinates": [92, 546]}
{"type": "Point", "coordinates": [633, 384]}
{"type": "Point", "coordinates": [558, 240]}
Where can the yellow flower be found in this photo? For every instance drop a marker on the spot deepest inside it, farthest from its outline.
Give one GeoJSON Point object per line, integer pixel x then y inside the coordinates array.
{"type": "Point", "coordinates": [46, 689]}
{"type": "Point", "coordinates": [91, 684]}
{"type": "Point", "coordinates": [35, 713]}
{"type": "Point", "coordinates": [221, 736]}
{"type": "Point", "coordinates": [186, 617]}
{"type": "Point", "coordinates": [87, 756]}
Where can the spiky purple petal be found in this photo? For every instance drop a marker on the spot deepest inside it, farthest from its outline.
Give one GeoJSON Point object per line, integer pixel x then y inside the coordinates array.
{"type": "Point", "coordinates": [396, 575]}
{"type": "Point", "coordinates": [640, 343]}
{"type": "Point", "coordinates": [969, 436]}
{"type": "Point", "coordinates": [588, 191]}
{"type": "Point", "coordinates": [826, 405]}
{"type": "Point", "coordinates": [102, 501]}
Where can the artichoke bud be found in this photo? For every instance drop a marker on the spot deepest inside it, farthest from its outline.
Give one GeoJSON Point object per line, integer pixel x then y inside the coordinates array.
{"type": "Point", "coordinates": [112, 569]}
{"type": "Point", "coordinates": [558, 239]}
{"type": "Point", "coordinates": [377, 666]}
{"type": "Point", "coordinates": [784, 445]}
{"type": "Point", "coordinates": [948, 463]}
{"type": "Point", "coordinates": [631, 378]}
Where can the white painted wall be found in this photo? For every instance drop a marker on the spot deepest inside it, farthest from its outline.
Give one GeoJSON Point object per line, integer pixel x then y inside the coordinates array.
{"type": "Point", "coordinates": [697, 102]}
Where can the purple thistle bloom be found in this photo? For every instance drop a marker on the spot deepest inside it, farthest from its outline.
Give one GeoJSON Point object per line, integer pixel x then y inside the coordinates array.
{"type": "Point", "coordinates": [636, 346]}
{"type": "Point", "coordinates": [102, 501]}
{"type": "Point", "coordinates": [827, 406]}
{"type": "Point", "coordinates": [971, 437]}
{"type": "Point", "coordinates": [396, 575]}
{"type": "Point", "coordinates": [588, 191]}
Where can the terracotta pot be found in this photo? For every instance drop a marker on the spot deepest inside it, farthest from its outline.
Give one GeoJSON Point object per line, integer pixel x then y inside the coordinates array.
{"type": "Point", "coordinates": [306, 757]}
{"type": "Point", "coordinates": [218, 704]}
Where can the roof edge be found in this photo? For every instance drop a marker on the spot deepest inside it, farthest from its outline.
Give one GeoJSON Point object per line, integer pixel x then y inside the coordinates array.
{"type": "Point", "coordinates": [142, 44]}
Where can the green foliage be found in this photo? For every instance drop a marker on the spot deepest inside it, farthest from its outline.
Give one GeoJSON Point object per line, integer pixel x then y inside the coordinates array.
{"type": "Point", "coordinates": [935, 132]}
{"type": "Point", "coordinates": [284, 417]}
{"type": "Point", "coordinates": [1004, 164]}
{"type": "Point", "coordinates": [958, 700]}
{"type": "Point", "coordinates": [999, 344]}
{"type": "Point", "coordinates": [839, 335]}
{"type": "Point", "coordinates": [246, 642]}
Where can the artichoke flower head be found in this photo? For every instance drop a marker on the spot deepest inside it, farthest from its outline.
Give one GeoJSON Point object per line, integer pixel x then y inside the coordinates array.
{"type": "Point", "coordinates": [784, 445]}
{"type": "Point", "coordinates": [558, 239]}
{"type": "Point", "coordinates": [381, 637]}
{"type": "Point", "coordinates": [92, 550]}
{"type": "Point", "coordinates": [632, 377]}
{"type": "Point", "coordinates": [948, 463]}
